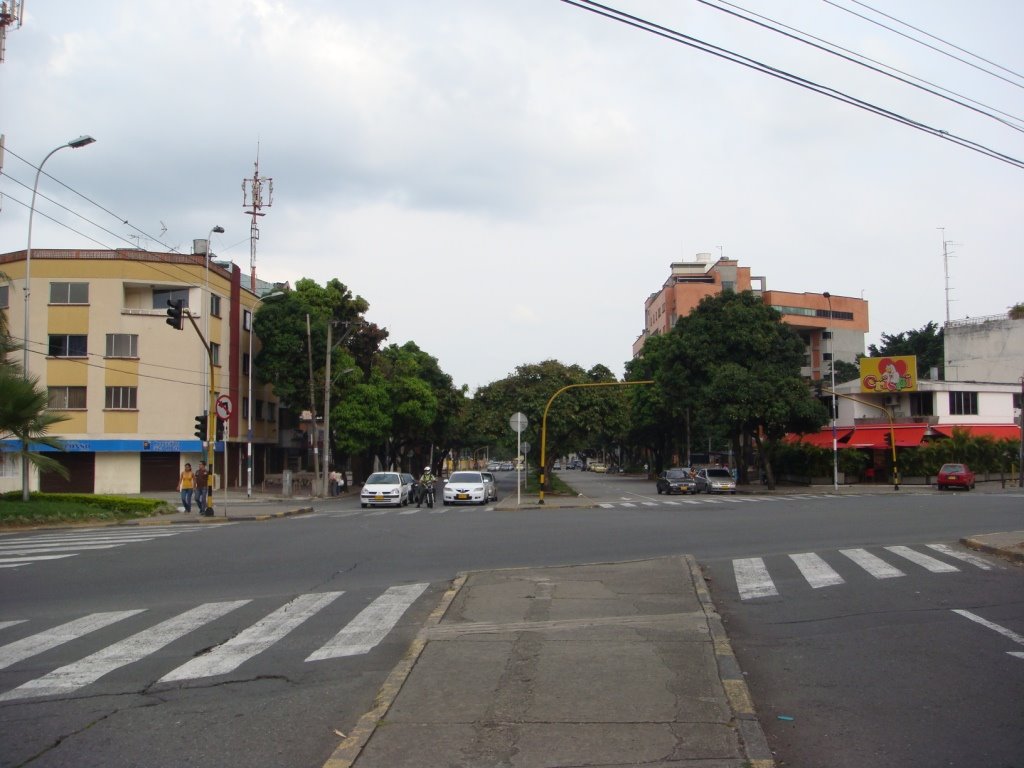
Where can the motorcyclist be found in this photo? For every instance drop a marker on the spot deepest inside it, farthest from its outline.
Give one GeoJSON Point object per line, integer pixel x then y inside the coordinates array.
{"type": "Point", "coordinates": [427, 480]}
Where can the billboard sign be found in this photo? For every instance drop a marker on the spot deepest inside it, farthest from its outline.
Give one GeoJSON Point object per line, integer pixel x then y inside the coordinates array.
{"type": "Point", "coordinates": [888, 375]}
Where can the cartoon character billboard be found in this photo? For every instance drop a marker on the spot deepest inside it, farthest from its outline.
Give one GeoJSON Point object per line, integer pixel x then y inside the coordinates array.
{"type": "Point", "coordinates": [895, 373]}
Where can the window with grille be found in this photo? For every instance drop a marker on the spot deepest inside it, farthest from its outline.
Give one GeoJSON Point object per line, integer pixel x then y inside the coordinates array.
{"type": "Point", "coordinates": [121, 398]}
{"type": "Point", "coordinates": [68, 345]}
{"type": "Point", "coordinates": [122, 345]}
{"type": "Point", "coordinates": [963, 403]}
{"type": "Point", "coordinates": [65, 398]}
{"type": "Point", "coordinates": [69, 293]}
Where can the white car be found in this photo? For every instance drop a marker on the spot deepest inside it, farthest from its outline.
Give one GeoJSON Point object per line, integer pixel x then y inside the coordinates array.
{"type": "Point", "coordinates": [494, 466]}
{"type": "Point", "coordinates": [492, 486]}
{"type": "Point", "coordinates": [385, 489]}
{"type": "Point", "coordinates": [715, 480]}
{"type": "Point", "coordinates": [465, 488]}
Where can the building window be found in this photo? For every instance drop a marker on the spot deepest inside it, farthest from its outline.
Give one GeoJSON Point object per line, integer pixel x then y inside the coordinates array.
{"type": "Point", "coordinates": [67, 345]}
{"type": "Point", "coordinates": [69, 293]}
{"type": "Point", "coordinates": [5, 297]}
{"type": "Point", "coordinates": [66, 398]}
{"type": "Point", "coordinates": [215, 352]}
{"type": "Point", "coordinates": [922, 403]}
{"type": "Point", "coordinates": [246, 320]}
{"type": "Point", "coordinates": [245, 363]}
{"type": "Point", "coordinates": [963, 403]}
{"type": "Point", "coordinates": [728, 286]}
{"type": "Point", "coordinates": [162, 295]}
{"type": "Point", "coordinates": [270, 412]}
{"type": "Point", "coordinates": [257, 411]}
{"type": "Point", "coordinates": [9, 464]}
{"type": "Point", "coordinates": [245, 408]}
{"type": "Point", "coordinates": [122, 398]}
{"type": "Point", "coordinates": [215, 305]}
{"type": "Point", "coordinates": [122, 345]}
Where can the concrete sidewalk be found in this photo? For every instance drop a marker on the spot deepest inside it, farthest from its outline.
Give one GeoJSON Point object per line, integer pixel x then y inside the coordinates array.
{"type": "Point", "coordinates": [606, 664]}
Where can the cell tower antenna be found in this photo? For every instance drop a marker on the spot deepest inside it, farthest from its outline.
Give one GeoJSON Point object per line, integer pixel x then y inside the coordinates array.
{"type": "Point", "coordinates": [11, 14]}
{"type": "Point", "coordinates": [257, 194]}
{"type": "Point", "coordinates": [946, 253]}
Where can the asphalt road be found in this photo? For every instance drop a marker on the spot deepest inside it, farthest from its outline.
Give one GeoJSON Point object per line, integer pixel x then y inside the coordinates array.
{"type": "Point", "coordinates": [314, 611]}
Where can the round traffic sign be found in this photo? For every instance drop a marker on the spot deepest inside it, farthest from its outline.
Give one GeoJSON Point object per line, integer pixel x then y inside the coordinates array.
{"type": "Point", "coordinates": [224, 407]}
{"type": "Point", "coordinates": [517, 421]}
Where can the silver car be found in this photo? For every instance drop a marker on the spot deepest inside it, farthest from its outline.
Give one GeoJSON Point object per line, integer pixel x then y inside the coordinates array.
{"type": "Point", "coordinates": [715, 480]}
{"type": "Point", "coordinates": [492, 486]}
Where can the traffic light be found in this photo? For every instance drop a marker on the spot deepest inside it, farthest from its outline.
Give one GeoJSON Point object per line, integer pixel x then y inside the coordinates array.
{"type": "Point", "coordinates": [201, 427]}
{"type": "Point", "coordinates": [174, 313]}
{"type": "Point", "coordinates": [220, 430]}
{"type": "Point", "coordinates": [888, 440]}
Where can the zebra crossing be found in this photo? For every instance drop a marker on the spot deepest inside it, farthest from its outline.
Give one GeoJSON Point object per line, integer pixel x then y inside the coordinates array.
{"type": "Point", "coordinates": [754, 581]}
{"type": "Point", "coordinates": [629, 502]}
{"type": "Point", "coordinates": [359, 636]}
{"type": "Point", "coordinates": [21, 550]}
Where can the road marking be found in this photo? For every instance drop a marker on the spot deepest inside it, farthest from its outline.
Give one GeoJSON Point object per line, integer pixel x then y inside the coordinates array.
{"type": "Point", "coordinates": [13, 562]}
{"type": "Point", "coordinates": [606, 506]}
{"type": "Point", "coordinates": [1009, 633]}
{"type": "Point", "coordinates": [51, 638]}
{"type": "Point", "coordinates": [966, 557]}
{"type": "Point", "coordinates": [44, 548]}
{"type": "Point", "coordinates": [410, 511]}
{"type": "Point", "coordinates": [925, 561]}
{"type": "Point", "coordinates": [876, 566]}
{"type": "Point", "coordinates": [6, 624]}
{"type": "Point", "coordinates": [378, 513]}
{"type": "Point", "coordinates": [752, 578]}
{"type": "Point", "coordinates": [649, 503]}
{"type": "Point", "coordinates": [628, 504]}
{"type": "Point", "coordinates": [90, 669]}
{"type": "Point", "coordinates": [372, 624]}
{"type": "Point", "coordinates": [817, 572]}
{"type": "Point", "coordinates": [256, 639]}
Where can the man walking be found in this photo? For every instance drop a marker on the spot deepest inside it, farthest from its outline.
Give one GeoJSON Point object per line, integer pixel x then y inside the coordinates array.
{"type": "Point", "coordinates": [202, 486]}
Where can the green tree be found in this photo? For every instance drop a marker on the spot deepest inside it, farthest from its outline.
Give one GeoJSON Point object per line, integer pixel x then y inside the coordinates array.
{"type": "Point", "coordinates": [24, 417]}
{"type": "Point", "coordinates": [926, 343]}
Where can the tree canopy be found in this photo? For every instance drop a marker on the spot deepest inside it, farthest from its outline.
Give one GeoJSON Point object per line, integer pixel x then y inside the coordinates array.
{"type": "Point", "coordinates": [926, 343]}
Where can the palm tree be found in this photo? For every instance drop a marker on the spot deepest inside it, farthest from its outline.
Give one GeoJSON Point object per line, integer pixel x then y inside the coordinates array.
{"type": "Point", "coordinates": [23, 416]}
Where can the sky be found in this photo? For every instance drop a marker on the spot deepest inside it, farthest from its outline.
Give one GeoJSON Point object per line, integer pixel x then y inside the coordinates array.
{"type": "Point", "coordinates": [507, 181]}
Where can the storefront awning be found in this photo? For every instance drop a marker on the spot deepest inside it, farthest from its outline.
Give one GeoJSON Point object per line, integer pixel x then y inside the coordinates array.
{"type": "Point", "coordinates": [823, 439]}
{"type": "Point", "coordinates": [996, 431]}
{"type": "Point", "coordinates": [907, 436]}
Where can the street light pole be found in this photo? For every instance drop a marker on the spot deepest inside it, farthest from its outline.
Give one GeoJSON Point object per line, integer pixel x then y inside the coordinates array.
{"type": "Point", "coordinates": [209, 296]}
{"type": "Point", "coordinates": [81, 141]}
{"type": "Point", "coordinates": [832, 371]}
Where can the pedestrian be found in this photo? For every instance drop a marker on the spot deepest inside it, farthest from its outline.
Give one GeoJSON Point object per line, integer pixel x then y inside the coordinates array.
{"type": "Point", "coordinates": [333, 485]}
{"type": "Point", "coordinates": [185, 485]}
{"type": "Point", "coordinates": [202, 482]}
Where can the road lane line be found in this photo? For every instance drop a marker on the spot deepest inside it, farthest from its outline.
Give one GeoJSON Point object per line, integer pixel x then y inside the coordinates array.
{"type": "Point", "coordinates": [752, 578]}
{"type": "Point", "coordinates": [876, 566]}
{"type": "Point", "coordinates": [925, 561]}
{"type": "Point", "coordinates": [71, 677]}
{"type": "Point", "coordinates": [967, 557]}
{"type": "Point", "coordinates": [371, 625]}
{"type": "Point", "coordinates": [817, 572]}
{"type": "Point", "coordinates": [1009, 633]}
{"type": "Point", "coordinates": [254, 640]}
{"type": "Point", "coordinates": [8, 562]}
{"type": "Point", "coordinates": [14, 652]}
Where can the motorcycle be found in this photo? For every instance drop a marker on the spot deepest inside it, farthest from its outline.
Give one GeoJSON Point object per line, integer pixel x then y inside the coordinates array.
{"type": "Point", "coordinates": [427, 495]}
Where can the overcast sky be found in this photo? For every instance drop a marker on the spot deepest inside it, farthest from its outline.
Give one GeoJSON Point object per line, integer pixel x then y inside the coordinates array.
{"type": "Point", "coordinates": [506, 181]}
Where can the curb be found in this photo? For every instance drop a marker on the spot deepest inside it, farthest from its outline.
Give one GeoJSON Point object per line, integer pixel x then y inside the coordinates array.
{"type": "Point", "coordinates": [980, 546]}
{"type": "Point", "coordinates": [752, 736]}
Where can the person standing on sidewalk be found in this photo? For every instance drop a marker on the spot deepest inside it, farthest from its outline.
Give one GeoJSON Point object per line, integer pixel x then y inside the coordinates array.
{"type": "Point", "coordinates": [186, 483]}
{"type": "Point", "coordinates": [202, 482]}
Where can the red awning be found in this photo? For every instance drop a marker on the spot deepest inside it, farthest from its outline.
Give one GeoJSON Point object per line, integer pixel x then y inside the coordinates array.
{"type": "Point", "coordinates": [823, 439]}
{"type": "Point", "coordinates": [907, 436]}
{"type": "Point", "coordinates": [997, 431]}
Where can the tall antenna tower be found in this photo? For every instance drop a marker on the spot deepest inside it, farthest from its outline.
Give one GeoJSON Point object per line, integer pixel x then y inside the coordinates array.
{"type": "Point", "coordinates": [946, 253]}
{"type": "Point", "coordinates": [254, 199]}
{"type": "Point", "coordinates": [11, 13]}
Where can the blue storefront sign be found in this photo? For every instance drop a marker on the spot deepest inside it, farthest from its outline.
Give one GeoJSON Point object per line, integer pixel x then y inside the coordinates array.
{"type": "Point", "coordinates": [117, 446]}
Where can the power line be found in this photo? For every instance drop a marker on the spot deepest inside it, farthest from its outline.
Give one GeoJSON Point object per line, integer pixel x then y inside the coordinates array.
{"type": "Point", "coordinates": [921, 42]}
{"type": "Point", "coordinates": [828, 46]}
{"type": "Point", "coordinates": [736, 58]}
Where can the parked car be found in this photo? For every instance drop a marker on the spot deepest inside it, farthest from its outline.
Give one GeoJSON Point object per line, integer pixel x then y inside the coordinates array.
{"type": "Point", "coordinates": [597, 466]}
{"type": "Point", "coordinates": [575, 464]}
{"type": "Point", "coordinates": [465, 488]}
{"type": "Point", "coordinates": [493, 466]}
{"type": "Point", "coordinates": [557, 466]}
{"type": "Point", "coordinates": [677, 480]}
{"type": "Point", "coordinates": [715, 480]}
{"type": "Point", "coordinates": [506, 466]}
{"type": "Point", "coordinates": [385, 489]}
{"type": "Point", "coordinates": [955, 476]}
{"type": "Point", "coordinates": [492, 486]}
{"type": "Point", "coordinates": [415, 489]}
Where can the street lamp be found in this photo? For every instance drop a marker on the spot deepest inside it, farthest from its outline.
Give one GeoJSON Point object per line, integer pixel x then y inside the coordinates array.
{"type": "Point", "coordinates": [252, 371]}
{"type": "Point", "coordinates": [832, 371]}
{"type": "Point", "coordinates": [81, 141]}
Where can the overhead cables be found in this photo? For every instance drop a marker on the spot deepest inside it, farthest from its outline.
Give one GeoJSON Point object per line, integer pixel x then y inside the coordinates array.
{"type": "Point", "coordinates": [823, 90]}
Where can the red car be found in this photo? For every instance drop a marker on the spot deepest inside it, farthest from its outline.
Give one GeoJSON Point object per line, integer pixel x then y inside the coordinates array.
{"type": "Point", "coordinates": [955, 476]}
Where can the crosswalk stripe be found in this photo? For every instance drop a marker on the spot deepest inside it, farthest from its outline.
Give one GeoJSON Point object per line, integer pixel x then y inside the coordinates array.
{"type": "Point", "coordinates": [410, 511]}
{"type": "Point", "coordinates": [876, 566]}
{"type": "Point", "coordinates": [966, 557]}
{"type": "Point", "coordinates": [606, 506]}
{"type": "Point", "coordinates": [256, 639]}
{"type": "Point", "coordinates": [371, 625]}
{"type": "Point", "coordinates": [7, 562]}
{"type": "Point", "coordinates": [650, 503]}
{"type": "Point", "coordinates": [50, 538]}
{"type": "Point", "coordinates": [14, 652]}
{"type": "Point", "coordinates": [6, 624]}
{"type": "Point", "coordinates": [74, 676]}
{"type": "Point", "coordinates": [752, 578]}
{"type": "Point", "coordinates": [817, 572]}
{"type": "Point", "coordinates": [42, 549]}
{"type": "Point", "coordinates": [925, 561]}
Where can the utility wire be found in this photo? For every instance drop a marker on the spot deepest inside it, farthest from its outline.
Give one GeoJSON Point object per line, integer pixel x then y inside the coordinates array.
{"type": "Point", "coordinates": [941, 40]}
{"type": "Point", "coordinates": [828, 46]}
{"type": "Point", "coordinates": [736, 58]}
{"type": "Point", "coordinates": [921, 42]}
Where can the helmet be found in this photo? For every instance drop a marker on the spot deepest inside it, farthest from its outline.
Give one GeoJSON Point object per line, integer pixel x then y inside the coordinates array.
{"type": "Point", "coordinates": [426, 469]}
